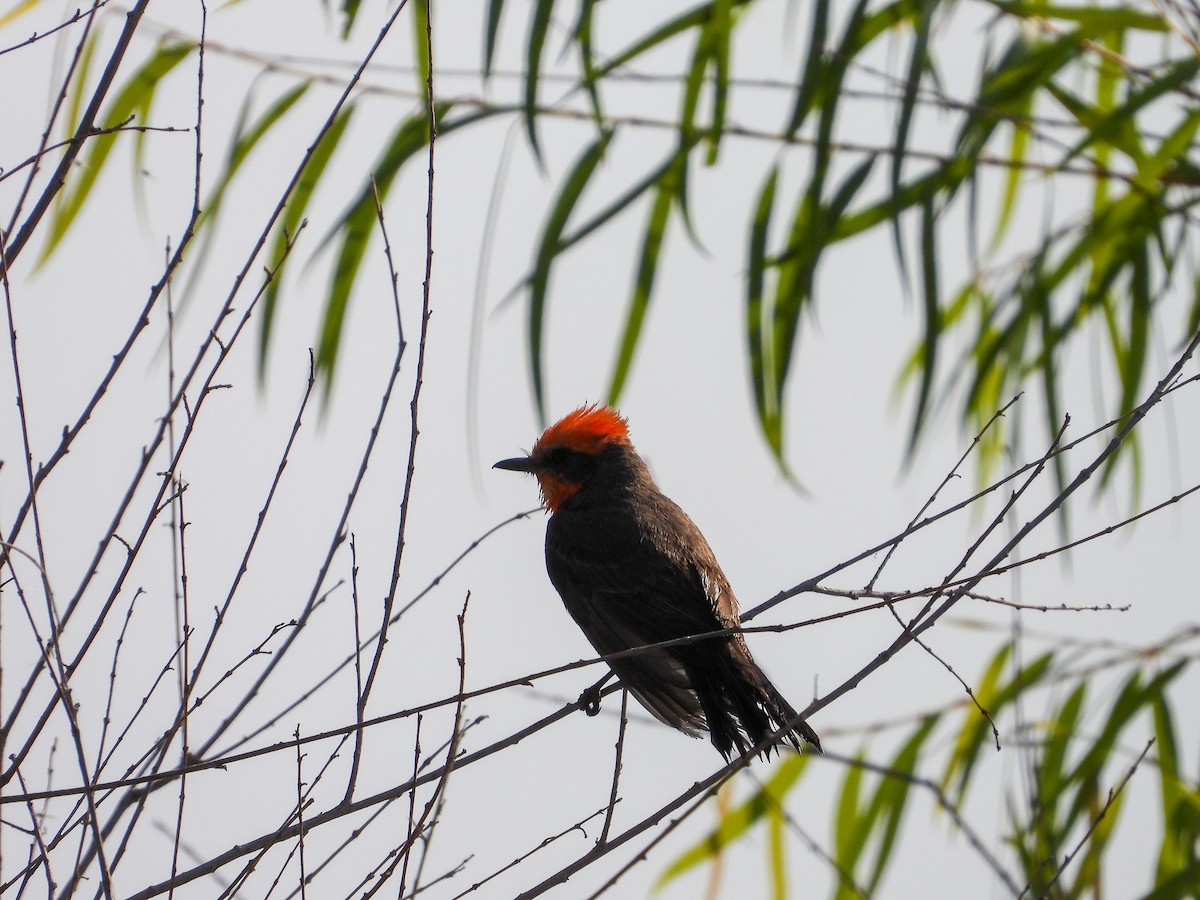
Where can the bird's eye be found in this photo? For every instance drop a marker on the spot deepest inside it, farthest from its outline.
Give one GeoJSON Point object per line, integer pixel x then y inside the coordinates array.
{"type": "Point", "coordinates": [570, 464]}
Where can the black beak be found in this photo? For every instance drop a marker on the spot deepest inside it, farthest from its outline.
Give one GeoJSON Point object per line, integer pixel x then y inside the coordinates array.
{"type": "Point", "coordinates": [517, 464]}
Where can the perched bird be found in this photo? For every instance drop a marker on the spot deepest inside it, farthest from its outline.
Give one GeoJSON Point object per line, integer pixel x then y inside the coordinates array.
{"type": "Point", "coordinates": [633, 570]}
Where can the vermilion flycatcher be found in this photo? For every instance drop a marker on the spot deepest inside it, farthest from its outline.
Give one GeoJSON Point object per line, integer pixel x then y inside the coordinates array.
{"type": "Point", "coordinates": [634, 570]}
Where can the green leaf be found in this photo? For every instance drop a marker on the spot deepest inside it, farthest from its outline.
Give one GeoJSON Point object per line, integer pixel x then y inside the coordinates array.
{"type": "Point", "coordinates": [738, 821]}
{"type": "Point", "coordinates": [918, 63]}
{"type": "Point", "coordinates": [994, 697]}
{"type": "Point", "coordinates": [1133, 697]}
{"type": "Point", "coordinates": [759, 355]}
{"type": "Point", "coordinates": [1117, 122]}
{"type": "Point", "coordinates": [358, 223]}
{"type": "Point", "coordinates": [17, 11]}
{"type": "Point", "coordinates": [549, 248]}
{"type": "Point", "coordinates": [1060, 733]}
{"type": "Point", "coordinates": [721, 31]}
{"type": "Point", "coordinates": [1098, 18]}
{"type": "Point", "coordinates": [813, 226]}
{"type": "Point", "coordinates": [495, 11]}
{"type": "Point", "coordinates": [587, 60]}
{"type": "Point", "coordinates": [539, 27]}
{"type": "Point", "coordinates": [932, 320]}
{"type": "Point", "coordinates": [420, 35]}
{"type": "Point", "coordinates": [890, 799]}
{"type": "Point", "coordinates": [814, 69]}
{"type": "Point", "coordinates": [681, 24]}
{"type": "Point", "coordinates": [136, 94]}
{"type": "Point", "coordinates": [350, 12]}
{"type": "Point", "coordinates": [849, 838]}
{"type": "Point", "coordinates": [245, 139]}
{"type": "Point", "coordinates": [643, 285]}
{"type": "Point", "coordinates": [289, 225]}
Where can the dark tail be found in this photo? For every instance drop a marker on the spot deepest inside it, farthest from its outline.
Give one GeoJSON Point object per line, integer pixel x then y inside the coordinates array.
{"type": "Point", "coordinates": [781, 713]}
{"type": "Point", "coordinates": [742, 707]}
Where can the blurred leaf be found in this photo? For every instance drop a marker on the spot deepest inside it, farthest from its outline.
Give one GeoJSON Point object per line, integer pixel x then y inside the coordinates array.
{"type": "Point", "coordinates": [1115, 126]}
{"type": "Point", "coordinates": [891, 797]}
{"type": "Point", "coordinates": [549, 248]}
{"type": "Point", "coordinates": [877, 822]}
{"type": "Point", "coordinates": [755, 289]}
{"type": "Point", "coordinates": [289, 225]}
{"type": "Point", "coordinates": [932, 320]}
{"type": "Point", "coordinates": [643, 285]}
{"type": "Point", "coordinates": [136, 94]}
{"type": "Point", "coordinates": [1133, 697]}
{"type": "Point", "coordinates": [813, 227]}
{"type": "Point", "coordinates": [739, 821]}
{"type": "Point", "coordinates": [420, 35]}
{"type": "Point", "coordinates": [849, 837]}
{"type": "Point", "coordinates": [246, 137]}
{"type": "Point", "coordinates": [994, 696]}
{"type": "Point", "coordinates": [719, 34]}
{"type": "Point", "coordinates": [360, 221]}
{"type": "Point", "coordinates": [696, 17]}
{"type": "Point", "coordinates": [17, 11]}
{"type": "Point", "coordinates": [539, 27]}
{"type": "Point", "coordinates": [814, 68]}
{"type": "Point", "coordinates": [1099, 18]}
{"type": "Point", "coordinates": [776, 852]}
{"type": "Point", "coordinates": [495, 10]}
{"type": "Point", "coordinates": [350, 9]}
{"type": "Point", "coordinates": [587, 59]}
{"type": "Point", "coordinates": [918, 63]}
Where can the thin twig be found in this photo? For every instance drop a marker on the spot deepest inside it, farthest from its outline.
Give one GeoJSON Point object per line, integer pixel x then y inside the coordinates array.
{"type": "Point", "coordinates": [616, 779]}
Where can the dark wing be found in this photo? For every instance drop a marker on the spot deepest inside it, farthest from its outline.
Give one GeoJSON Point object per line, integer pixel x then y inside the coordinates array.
{"type": "Point", "coordinates": [624, 592]}
{"type": "Point", "coordinates": [630, 580]}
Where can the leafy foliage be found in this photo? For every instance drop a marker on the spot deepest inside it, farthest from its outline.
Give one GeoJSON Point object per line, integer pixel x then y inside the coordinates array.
{"type": "Point", "coordinates": [1128, 128]}
{"type": "Point", "coordinates": [1062, 813]}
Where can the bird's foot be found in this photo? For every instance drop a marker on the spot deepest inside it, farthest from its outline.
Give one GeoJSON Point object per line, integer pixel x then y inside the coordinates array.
{"type": "Point", "coordinates": [589, 700]}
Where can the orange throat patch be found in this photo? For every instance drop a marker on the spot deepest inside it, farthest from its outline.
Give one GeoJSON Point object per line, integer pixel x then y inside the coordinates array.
{"type": "Point", "coordinates": [556, 491]}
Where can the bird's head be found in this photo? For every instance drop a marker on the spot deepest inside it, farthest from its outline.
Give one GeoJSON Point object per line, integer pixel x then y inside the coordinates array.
{"type": "Point", "coordinates": [573, 450]}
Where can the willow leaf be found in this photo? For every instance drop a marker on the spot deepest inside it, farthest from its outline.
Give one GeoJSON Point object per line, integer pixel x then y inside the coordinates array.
{"type": "Point", "coordinates": [639, 303]}
{"type": "Point", "coordinates": [549, 248]}
{"type": "Point", "coordinates": [918, 62]}
{"type": "Point", "coordinates": [137, 93]}
{"type": "Point", "coordinates": [289, 225]}
{"type": "Point", "coordinates": [1177, 837]}
{"type": "Point", "coordinates": [350, 10]}
{"type": "Point", "coordinates": [495, 10]}
{"type": "Point", "coordinates": [890, 797]}
{"type": "Point", "coordinates": [814, 69]}
{"type": "Point", "coordinates": [246, 136]}
{"type": "Point", "coordinates": [738, 821]}
{"type": "Point", "coordinates": [539, 27]}
{"type": "Point", "coordinates": [1114, 18]}
{"type": "Point", "coordinates": [587, 60]}
{"type": "Point", "coordinates": [813, 229]}
{"type": "Point", "coordinates": [759, 350]}
{"type": "Point", "coordinates": [359, 223]}
{"type": "Point", "coordinates": [931, 319]}
{"type": "Point", "coordinates": [849, 837]}
{"type": "Point", "coordinates": [1133, 697]}
{"type": "Point", "coordinates": [420, 36]}
{"type": "Point", "coordinates": [696, 17]}
{"type": "Point", "coordinates": [777, 852]}
{"type": "Point", "coordinates": [1060, 733]}
{"type": "Point", "coordinates": [992, 696]}
{"type": "Point", "coordinates": [721, 29]}
{"type": "Point", "coordinates": [1118, 121]}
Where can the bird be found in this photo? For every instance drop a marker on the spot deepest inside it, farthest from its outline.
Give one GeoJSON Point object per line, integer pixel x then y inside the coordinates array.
{"type": "Point", "coordinates": [633, 570]}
